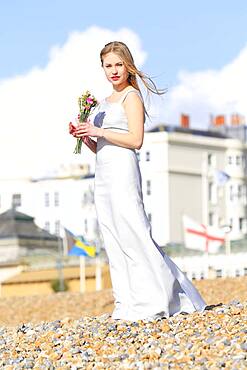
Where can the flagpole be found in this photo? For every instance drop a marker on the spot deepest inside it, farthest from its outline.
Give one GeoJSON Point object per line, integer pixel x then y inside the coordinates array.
{"type": "Point", "coordinates": [82, 275]}
{"type": "Point", "coordinates": [205, 188]}
{"type": "Point", "coordinates": [98, 276]}
{"type": "Point", "coordinates": [65, 243]}
{"type": "Point", "coordinates": [60, 263]}
{"type": "Point", "coordinates": [205, 204]}
{"type": "Point", "coordinates": [227, 245]}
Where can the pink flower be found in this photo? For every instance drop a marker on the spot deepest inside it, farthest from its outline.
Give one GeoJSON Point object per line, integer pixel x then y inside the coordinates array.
{"type": "Point", "coordinates": [89, 100]}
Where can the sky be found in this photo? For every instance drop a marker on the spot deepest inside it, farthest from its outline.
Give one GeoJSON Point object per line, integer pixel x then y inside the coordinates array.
{"type": "Point", "coordinates": [50, 54]}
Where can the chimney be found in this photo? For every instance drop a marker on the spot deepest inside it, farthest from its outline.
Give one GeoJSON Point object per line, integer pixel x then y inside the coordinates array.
{"type": "Point", "coordinates": [237, 119]}
{"type": "Point", "coordinates": [219, 120]}
{"type": "Point", "coordinates": [185, 120]}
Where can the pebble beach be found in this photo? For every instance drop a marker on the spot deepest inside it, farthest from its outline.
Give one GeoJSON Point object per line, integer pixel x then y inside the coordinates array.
{"type": "Point", "coordinates": [76, 331]}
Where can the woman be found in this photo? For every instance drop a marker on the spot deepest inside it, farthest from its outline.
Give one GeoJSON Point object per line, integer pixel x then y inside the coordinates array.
{"type": "Point", "coordinates": [146, 282]}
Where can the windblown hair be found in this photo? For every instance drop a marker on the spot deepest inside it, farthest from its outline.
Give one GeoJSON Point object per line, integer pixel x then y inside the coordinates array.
{"type": "Point", "coordinates": [122, 50]}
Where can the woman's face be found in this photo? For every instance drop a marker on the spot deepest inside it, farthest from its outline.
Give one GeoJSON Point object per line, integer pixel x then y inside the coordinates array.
{"type": "Point", "coordinates": [115, 70]}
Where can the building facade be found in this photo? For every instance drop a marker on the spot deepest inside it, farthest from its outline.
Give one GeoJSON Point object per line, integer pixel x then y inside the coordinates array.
{"type": "Point", "coordinates": [180, 170]}
{"type": "Point", "coordinates": [198, 173]}
{"type": "Point", "coordinates": [57, 201]}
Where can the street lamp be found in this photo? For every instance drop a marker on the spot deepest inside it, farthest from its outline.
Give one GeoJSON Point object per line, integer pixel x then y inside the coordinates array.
{"type": "Point", "coordinates": [227, 229]}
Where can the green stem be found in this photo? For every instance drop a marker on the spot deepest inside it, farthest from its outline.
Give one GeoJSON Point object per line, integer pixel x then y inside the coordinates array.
{"type": "Point", "coordinates": [78, 146]}
{"type": "Point", "coordinates": [83, 117]}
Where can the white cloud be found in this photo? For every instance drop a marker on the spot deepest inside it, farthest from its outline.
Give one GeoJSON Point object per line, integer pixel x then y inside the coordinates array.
{"type": "Point", "coordinates": [36, 107]}
{"type": "Point", "coordinates": [212, 91]}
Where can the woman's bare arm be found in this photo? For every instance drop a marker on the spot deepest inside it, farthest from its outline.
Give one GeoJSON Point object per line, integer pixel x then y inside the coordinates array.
{"type": "Point", "coordinates": [90, 143]}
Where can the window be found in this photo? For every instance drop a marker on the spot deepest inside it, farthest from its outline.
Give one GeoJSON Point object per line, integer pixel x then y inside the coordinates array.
{"type": "Point", "coordinates": [47, 199]}
{"type": "Point", "coordinates": [245, 271]}
{"type": "Point", "coordinates": [202, 275]}
{"type": "Point", "coordinates": [193, 276]}
{"type": "Point", "coordinates": [56, 199]}
{"type": "Point", "coordinates": [211, 219]}
{"type": "Point", "coordinates": [231, 193]}
{"type": "Point", "coordinates": [148, 187]}
{"type": "Point", "coordinates": [147, 156]}
{"type": "Point", "coordinates": [96, 226]}
{"type": "Point", "coordinates": [218, 273]}
{"type": "Point", "coordinates": [212, 192]}
{"type": "Point", "coordinates": [16, 200]}
{"type": "Point", "coordinates": [237, 273]}
{"type": "Point", "coordinates": [86, 225]}
{"type": "Point", "coordinates": [239, 191]}
{"type": "Point", "coordinates": [242, 224]}
{"type": "Point", "coordinates": [57, 227]}
{"type": "Point", "coordinates": [88, 197]}
{"type": "Point", "coordinates": [47, 226]}
{"type": "Point", "coordinates": [244, 193]}
{"type": "Point", "coordinates": [238, 160]}
{"type": "Point", "coordinates": [211, 160]}
{"type": "Point", "coordinates": [85, 199]}
{"type": "Point", "coordinates": [243, 161]}
{"type": "Point", "coordinates": [231, 223]}
{"type": "Point", "coordinates": [229, 159]}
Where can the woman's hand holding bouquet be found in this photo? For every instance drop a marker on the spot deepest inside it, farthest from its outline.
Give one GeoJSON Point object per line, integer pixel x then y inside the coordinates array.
{"type": "Point", "coordinates": [84, 127]}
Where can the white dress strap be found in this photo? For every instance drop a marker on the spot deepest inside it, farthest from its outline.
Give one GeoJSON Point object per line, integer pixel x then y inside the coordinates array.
{"type": "Point", "coordinates": [127, 92]}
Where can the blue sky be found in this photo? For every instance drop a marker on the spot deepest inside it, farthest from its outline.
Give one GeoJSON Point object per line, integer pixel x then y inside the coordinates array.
{"type": "Point", "coordinates": [177, 35]}
{"type": "Point", "coordinates": [49, 54]}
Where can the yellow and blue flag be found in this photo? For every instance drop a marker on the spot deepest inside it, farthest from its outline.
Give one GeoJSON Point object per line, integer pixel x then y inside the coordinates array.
{"type": "Point", "coordinates": [78, 246]}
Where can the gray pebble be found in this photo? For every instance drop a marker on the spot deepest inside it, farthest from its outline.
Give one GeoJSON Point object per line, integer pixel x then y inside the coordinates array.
{"type": "Point", "coordinates": [244, 346]}
{"type": "Point", "coordinates": [210, 340]}
{"type": "Point", "coordinates": [217, 327]}
{"type": "Point", "coordinates": [226, 342]}
{"type": "Point", "coordinates": [189, 345]}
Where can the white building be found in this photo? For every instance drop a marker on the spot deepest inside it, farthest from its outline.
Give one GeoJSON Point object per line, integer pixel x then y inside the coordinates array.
{"type": "Point", "coordinates": [179, 168]}
{"type": "Point", "coordinates": [58, 201]}
{"type": "Point", "coordinates": [180, 171]}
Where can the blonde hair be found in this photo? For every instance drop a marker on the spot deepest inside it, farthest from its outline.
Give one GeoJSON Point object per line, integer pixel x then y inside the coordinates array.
{"type": "Point", "coordinates": [122, 50]}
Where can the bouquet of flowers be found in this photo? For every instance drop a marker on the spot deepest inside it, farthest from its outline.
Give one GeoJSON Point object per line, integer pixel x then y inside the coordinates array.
{"type": "Point", "coordinates": [86, 104]}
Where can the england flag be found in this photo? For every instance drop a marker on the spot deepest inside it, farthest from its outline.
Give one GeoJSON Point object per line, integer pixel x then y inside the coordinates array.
{"type": "Point", "coordinates": [198, 236]}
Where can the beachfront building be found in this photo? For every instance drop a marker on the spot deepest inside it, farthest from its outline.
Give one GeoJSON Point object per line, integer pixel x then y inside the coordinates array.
{"type": "Point", "coordinates": [198, 173]}
{"type": "Point", "coordinates": [20, 237]}
{"type": "Point", "coordinates": [64, 199]}
{"type": "Point", "coordinates": [201, 174]}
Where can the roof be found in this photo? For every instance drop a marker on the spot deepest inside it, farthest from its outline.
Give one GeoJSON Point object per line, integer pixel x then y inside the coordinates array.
{"type": "Point", "coordinates": [12, 213]}
{"type": "Point", "coordinates": [14, 224]}
{"type": "Point", "coordinates": [191, 131]}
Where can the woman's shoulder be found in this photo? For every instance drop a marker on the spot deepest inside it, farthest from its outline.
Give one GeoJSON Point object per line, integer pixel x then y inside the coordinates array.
{"type": "Point", "coordinates": [132, 90]}
{"type": "Point", "coordinates": [132, 97]}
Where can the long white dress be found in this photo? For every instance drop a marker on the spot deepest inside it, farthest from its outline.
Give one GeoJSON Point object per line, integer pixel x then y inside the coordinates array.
{"type": "Point", "coordinates": [146, 282]}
